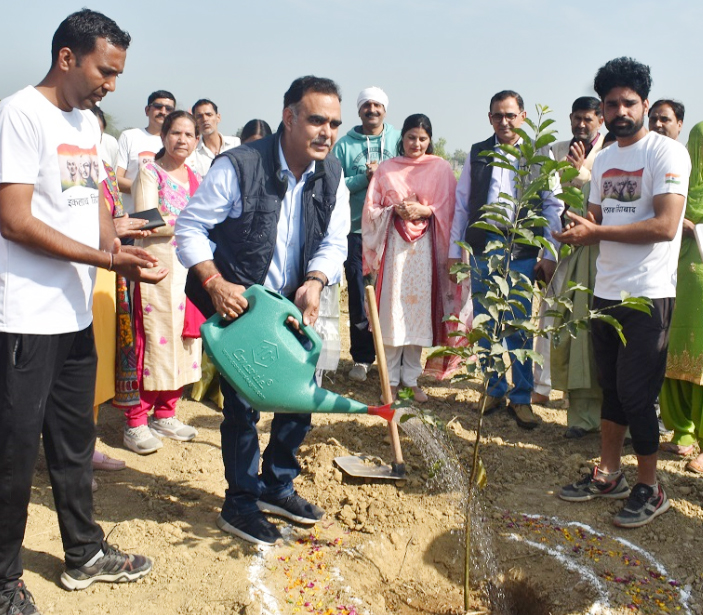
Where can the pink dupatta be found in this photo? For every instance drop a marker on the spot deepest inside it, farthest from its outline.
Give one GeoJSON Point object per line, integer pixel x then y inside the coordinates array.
{"type": "Point", "coordinates": [432, 179]}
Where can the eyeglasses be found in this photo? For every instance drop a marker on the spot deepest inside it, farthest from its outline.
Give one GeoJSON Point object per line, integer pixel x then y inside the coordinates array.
{"type": "Point", "coordinates": [499, 117]}
{"type": "Point", "coordinates": [159, 106]}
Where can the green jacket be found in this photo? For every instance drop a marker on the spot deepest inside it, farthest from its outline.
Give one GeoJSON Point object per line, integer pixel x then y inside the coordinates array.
{"type": "Point", "coordinates": [354, 150]}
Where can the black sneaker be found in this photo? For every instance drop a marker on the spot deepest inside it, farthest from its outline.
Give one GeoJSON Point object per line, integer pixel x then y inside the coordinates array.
{"type": "Point", "coordinates": [589, 488]}
{"type": "Point", "coordinates": [642, 506]}
{"type": "Point", "coordinates": [252, 527]}
{"type": "Point", "coordinates": [294, 508]}
{"type": "Point", "coordinates": [113, 567]}
{"type": "Point", "coordinates": [15, 599]}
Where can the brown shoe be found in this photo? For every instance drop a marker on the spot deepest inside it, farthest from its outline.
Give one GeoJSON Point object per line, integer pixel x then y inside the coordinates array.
{"type": "Point", "coordinates": [524, 416]}
{"type": "Point", "coordinates": [493, 404]}
{"type": "Point", "coordinates": [538, 398]}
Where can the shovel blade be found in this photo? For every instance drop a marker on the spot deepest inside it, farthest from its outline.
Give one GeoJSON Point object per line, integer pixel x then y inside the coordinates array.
{"type": "Point", "coordinates": [364, 466]}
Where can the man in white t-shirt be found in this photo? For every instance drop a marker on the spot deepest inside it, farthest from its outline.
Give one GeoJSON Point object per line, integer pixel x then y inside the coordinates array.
{"type": "Point", "coordinates": [138, 146]}
{"type": "Point", "coordinates": [55, 230]}
{"type": "Point", "coordinates": [211, 142]}
{"type": "Point", "coordinates": [636, 204]}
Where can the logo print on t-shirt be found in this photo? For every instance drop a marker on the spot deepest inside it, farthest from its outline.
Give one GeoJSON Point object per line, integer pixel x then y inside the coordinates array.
{"type": "Point", "coordinates": [78, 166]}
{"type": "Point", "coordinates": [623, 186]}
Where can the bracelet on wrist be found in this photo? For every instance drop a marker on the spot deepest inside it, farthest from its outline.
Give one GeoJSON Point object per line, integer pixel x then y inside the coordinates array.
{"type": "Point", "coordinates": [316, 278]}
{"type": "Point", "coordinates": [212, 277]}
{"type": "Point", "coordinates": [112, 261]}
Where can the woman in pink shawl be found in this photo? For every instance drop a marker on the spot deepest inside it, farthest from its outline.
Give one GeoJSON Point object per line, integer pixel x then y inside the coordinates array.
{"type": "Point", "coordinates": [405, 226]}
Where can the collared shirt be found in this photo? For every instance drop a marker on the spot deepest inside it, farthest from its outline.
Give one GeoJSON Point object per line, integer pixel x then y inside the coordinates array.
{"type": "Point", "coordinates": [502, 180]}
{"type": "Point", "coordinates": [201, 158]}
{"type": "Point", "coordinates": [219, 196]}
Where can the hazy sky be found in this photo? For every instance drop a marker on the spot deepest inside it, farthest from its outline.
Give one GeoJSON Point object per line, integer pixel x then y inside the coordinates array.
{"type": "Point", "coordinates": [444, 58]}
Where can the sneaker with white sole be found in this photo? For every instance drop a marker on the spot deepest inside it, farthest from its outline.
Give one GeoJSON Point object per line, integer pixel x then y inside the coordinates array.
{"type": "Point", "coordinates": [590, 487]}
{"type": "Point", "coordinates": [359, 371]}
{"type": "Point", "coordinates": [140, 440]}
{"type": "Point", "coordinates": [113, 567]}
{"type": "Point", "coordinates": [292, 507]}
{"type": "Point", "coordinates": [642, 506]}
{"type": "Point", "coordinates": [252, 527]}
{"type": "Point", "coordinates": [172, 428]}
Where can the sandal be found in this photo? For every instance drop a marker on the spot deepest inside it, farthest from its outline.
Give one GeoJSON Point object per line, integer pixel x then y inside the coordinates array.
{"type": "Point", "coordinates": [419, 395]}
{"type": "Point", "coordinates": [682, 450]}
{"type": "Point", "coordinates": [695, 465]}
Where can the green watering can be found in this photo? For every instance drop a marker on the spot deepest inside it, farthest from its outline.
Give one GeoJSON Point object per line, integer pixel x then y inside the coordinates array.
{"type": "Point", "coordinates": [270, 364]}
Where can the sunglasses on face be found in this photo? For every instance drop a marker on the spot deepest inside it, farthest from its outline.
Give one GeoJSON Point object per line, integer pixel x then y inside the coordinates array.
{"type": "Point", "coordinates": [160, 106]}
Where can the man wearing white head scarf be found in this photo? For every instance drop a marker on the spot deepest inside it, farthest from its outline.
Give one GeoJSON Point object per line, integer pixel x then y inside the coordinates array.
{"type": "Point", "coordinates": [360, 151]}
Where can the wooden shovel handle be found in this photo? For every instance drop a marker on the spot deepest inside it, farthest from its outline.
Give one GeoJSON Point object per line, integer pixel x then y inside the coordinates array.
{"type": "Point", "coordinates": [383, 374]}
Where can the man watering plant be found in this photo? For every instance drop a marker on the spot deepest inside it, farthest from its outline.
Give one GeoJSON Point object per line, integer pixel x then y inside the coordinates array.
{"type": "Point", "coordinates": [277, 212]}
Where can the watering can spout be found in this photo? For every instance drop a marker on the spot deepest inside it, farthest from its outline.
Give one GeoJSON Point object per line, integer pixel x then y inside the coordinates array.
{"type": "Point", "coordinates": [385, 412]}
{"type": "Point", "coordinates": [393, 413]}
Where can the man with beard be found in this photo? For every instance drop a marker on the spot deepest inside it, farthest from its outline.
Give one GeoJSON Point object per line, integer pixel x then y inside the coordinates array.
{"type": "Point", "coordinates": [137, 146]}
{"type": "Point", "coordinates": [586, 119]}
{"type": "Point", "coordinates": [211, 142]}
{"type": "Point", "coordinates": [666, 117]}
{"type": "Point", "coordinates": [277, 212]}
{"type": "Point", "coordinates": [640, 237]}
{"type": "Point", "coordinates": [360, 151]}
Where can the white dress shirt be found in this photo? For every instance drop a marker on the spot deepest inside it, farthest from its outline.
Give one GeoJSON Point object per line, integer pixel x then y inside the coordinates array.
{"type": "Point", "coordinates": [219, 196]}
{"type": "Point", "coordinates": [201, 158]}
{"type": "Point", "coordinates": [502, 180]}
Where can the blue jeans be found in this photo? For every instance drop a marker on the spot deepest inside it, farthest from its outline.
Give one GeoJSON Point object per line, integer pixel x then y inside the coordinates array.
{"type": "Point", "coordinates": [240, 454]}
{"type": "Point", "coordinates": [523, 381]}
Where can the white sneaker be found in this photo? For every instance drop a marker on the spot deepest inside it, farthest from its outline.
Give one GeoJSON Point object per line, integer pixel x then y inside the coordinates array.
{"type": "Point", "coordinates": [359, 371]}
{"type": "Point", "coordinates": [172, 428]}
{"type": "Point", "coordinates": [140, 440]}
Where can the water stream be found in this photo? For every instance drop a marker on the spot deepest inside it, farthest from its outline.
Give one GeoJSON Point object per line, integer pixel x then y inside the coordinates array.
{"type": "Point", "coordinates": [447, 473]}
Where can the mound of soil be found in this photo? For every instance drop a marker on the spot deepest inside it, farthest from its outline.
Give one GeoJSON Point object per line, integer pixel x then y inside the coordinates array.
{"type": "Point", "coordinates": [385, 547]}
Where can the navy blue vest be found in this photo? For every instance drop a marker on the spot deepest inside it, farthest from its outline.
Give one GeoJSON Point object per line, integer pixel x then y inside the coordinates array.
{"type": "Point", "coordinates": [481, 172]}
{"type": "Point", "coordinates": [245, 245]}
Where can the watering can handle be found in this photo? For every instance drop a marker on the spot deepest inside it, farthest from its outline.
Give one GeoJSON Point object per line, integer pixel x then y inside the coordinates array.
{"type": "Point", "coordinates": [307, 330]}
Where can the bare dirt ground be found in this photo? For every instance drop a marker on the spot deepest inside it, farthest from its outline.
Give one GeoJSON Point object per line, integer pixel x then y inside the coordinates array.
{"type": "Point", "coordinates": [383, 548]}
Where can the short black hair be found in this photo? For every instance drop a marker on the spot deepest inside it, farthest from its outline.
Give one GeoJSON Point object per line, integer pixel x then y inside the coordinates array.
{"type": "Point", "coordinates": [676, 106]}
{"type": "Point", "coordinates": [623, 73]}
{"type": "Point", "coordinates": [204, 101]}
{"type": "Point", "coordinates": [80, 31]}
{"type": "Point", "coordinates": [160, 94]}
{"type": "Point", "coordinates": [98, 112]}
{"type": "Point", "coordinates": [416, 120]}
{"type": "Point", "coordinates": [309, 83]}
{"type": "Point", "coordinates": [253, 128]}
{"type": "Point", "coordinates": [503, 95]}
{"type": "Point", "coordinates": [587, 103]}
